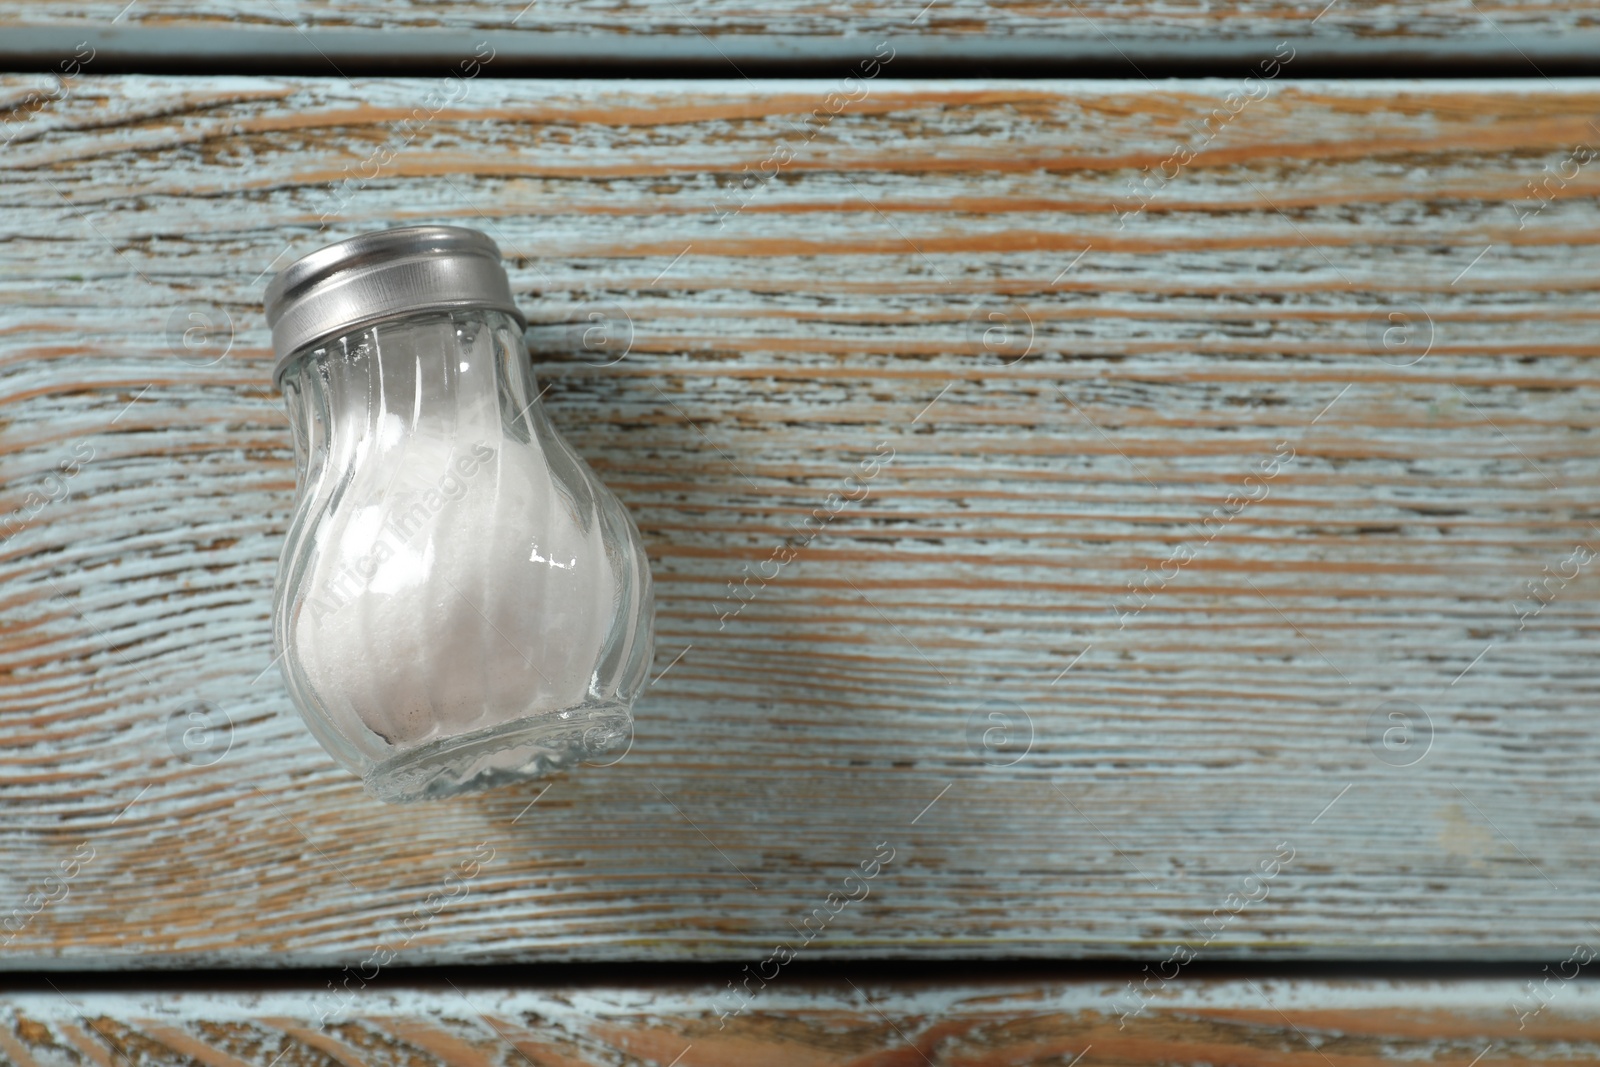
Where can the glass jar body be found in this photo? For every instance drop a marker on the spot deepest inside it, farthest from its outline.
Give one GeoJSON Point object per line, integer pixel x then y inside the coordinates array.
{"type": "Point", "coordinates": [460, 601]}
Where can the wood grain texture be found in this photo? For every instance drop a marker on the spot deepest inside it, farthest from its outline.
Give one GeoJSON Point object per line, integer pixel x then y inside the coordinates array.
{"type": "Point", "coordinates": [1067, 20]}
{"type": "Point", "coordinates": [1299, 1023]}
{"type": "Point", "coordinates": [1338, 677]}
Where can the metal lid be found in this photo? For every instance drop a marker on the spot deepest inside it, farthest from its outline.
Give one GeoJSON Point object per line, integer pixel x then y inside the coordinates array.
{"type": "Point", "coordinates": [382, 275]}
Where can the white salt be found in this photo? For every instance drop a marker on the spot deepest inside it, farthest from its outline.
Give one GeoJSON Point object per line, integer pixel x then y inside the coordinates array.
{"type": "Point", "coordinates": [456, 587]}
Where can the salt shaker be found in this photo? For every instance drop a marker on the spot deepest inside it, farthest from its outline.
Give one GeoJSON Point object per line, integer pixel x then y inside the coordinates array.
{"type": "Point", "coordinates": [460, 602]}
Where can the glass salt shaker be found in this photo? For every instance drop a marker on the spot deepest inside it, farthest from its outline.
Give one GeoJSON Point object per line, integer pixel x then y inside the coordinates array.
{"type": "Point", "coordinates": [460, 602]}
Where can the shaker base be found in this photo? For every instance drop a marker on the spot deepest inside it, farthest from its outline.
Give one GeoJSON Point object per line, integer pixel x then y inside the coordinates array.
{"type": "Point", "coordinates": [519, 751]}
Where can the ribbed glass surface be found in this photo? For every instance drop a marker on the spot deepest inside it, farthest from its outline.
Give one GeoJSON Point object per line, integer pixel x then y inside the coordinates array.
{"type": "Point", "coordinates": [460, 601]}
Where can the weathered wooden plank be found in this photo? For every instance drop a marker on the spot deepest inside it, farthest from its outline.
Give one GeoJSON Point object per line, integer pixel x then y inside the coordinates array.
{"type": "Point", "coordinates": [1337, 687]}
{"type": "Point", "coordinates": [1088, 20]}
{"type": "Point", "coordinates": [1238, 1023]}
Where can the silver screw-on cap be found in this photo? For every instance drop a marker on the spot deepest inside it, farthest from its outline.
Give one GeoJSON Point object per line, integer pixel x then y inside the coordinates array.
{"type": "Point", "coordinates": [382, 275]}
